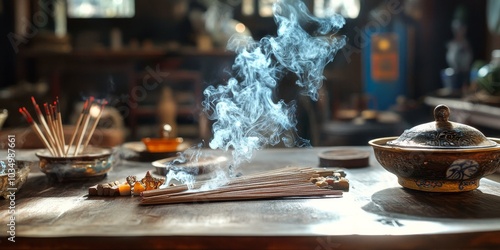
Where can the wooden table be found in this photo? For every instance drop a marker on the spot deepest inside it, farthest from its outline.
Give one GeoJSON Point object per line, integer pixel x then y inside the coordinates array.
{"type": "Point", "coordinates": [375, 213]}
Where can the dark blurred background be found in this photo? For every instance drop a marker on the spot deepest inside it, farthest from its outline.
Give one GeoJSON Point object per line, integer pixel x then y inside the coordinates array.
{"type": "Point", "coordinates": [150, 57]}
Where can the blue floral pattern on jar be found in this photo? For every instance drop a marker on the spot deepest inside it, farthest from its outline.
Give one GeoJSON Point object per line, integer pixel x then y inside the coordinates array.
{"type": "Point", "coordinates": [462, 169]}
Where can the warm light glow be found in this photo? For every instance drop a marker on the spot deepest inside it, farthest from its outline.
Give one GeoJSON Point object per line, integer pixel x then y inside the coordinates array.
{"type": "Point", "coordinates": [247, 7]}
{"type": "Point", "coordinates": [167, 128]}
{"type": "Point", "coordinates": [94, 111]}
{"type": "Point", "coordinates": [266, 8]}
{"type": "Point", "coordinates": [384, 44]}
{"type": "Point", "coordinates": [240, 28]}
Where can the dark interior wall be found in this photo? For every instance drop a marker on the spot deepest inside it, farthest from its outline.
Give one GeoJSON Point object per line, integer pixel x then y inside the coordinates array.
{"type": "Point", "coordinates": [494, 42]}
{"type": "Point", "coordinates": [436, 33]}
{"type": "Point", "coordinates": [160, 20]}
{"type": "Point", "coordinates": [433, 32]}
{"type": "Point", "coordinates": [7, 54]}
{"type": "Point", "coordinates": [156, 20]}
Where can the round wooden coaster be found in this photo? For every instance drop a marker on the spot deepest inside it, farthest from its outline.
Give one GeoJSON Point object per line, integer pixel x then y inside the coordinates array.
{"type": "Point", "coordinates": [344, 158]}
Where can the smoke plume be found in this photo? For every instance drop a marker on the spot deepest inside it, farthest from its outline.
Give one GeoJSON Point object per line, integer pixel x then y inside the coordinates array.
{"type": "Point", "coordinates": [247, 117]}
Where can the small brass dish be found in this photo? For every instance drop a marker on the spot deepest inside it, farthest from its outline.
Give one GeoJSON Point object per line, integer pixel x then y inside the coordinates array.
{"type": "Point", "coordinates": [162, 145]}
{"type": "Point", "coordinates": [439, 156]}
{"type": "Point", "coordinates": [93, 162]}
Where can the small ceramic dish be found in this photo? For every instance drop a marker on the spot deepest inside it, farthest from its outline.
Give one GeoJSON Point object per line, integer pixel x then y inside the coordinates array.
{"type": "Point", "coordinates": [93, 162]}
{"type": "Point", "coordinates": [189, 164]}
{"type": "Point", "coordinates": [12, 176]}
{"type": "Point", "coordinates": [440, 156]}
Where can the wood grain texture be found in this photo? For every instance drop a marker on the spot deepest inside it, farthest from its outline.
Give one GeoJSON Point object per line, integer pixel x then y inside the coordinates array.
{"type": "Point", "coordinates": [375, 212]}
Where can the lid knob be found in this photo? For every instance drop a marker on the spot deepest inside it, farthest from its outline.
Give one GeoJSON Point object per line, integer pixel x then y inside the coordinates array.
{"type": "Point", "coordinates": [441, 113]}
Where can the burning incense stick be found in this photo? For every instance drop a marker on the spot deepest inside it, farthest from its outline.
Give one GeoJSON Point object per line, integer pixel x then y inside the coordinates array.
{"type": "Point", "coordinates": [86, 119]}
{"type": "Point", "coordinates": [60, 123]}
{"type": "Point", "coordinates": [77, 128]}
{"type": "Point", "coordinates": [286, 182]}
{"type": "Point", "coordinates": [96, 122]}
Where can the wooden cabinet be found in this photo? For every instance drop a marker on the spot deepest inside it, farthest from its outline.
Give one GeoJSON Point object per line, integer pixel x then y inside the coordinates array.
{"type": "Point", "coordinates": [133, 81]}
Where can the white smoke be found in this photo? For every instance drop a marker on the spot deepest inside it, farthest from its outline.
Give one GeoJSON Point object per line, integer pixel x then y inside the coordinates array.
{"type": "Point", "coordinates": [247, 117]}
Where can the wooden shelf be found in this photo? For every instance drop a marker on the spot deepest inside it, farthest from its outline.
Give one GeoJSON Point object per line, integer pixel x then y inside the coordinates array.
{"type": "Point", "coordinates": [467, 112]}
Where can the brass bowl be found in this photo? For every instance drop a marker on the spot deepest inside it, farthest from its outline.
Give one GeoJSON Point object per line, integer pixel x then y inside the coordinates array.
{"type": "Point", "coordinates": [162, 145]}
{"type": "Point", "coordinates": [13, 177]}
{"type": "Point", "coordinates": [439, 156]}
{"type": "Point", "coordinates": [93, 162]}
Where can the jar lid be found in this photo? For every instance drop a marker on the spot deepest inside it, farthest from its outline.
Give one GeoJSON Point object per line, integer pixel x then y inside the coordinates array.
{"type": "Point", "coordinates": [442, 134]}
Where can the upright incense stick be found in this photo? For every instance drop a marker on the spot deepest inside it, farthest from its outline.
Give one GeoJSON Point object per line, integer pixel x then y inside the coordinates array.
{"type": "Point", "coordinates": [77, 128]}
{"type": "Point", "coordinates": [55, 123]}
{"type": "Point", "coordinates": [94, 126]}
{"type": "Point", "coordinates": [50, 122]}
{"type": "Point", "coordinates": [60, 123]}
{"type": "Point", "coordinates": [51, 131]}
{"type": "Point", "coordinates": [36, 129]}
{"type": "Point", "coordinates": [41, 119]}
{"type": "Point", "coordinates": [86, 119]}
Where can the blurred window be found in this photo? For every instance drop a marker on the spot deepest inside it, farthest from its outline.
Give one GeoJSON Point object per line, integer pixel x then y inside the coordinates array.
{"type": "Point", "coordinates": [266, 8]}
{"type": "Point", "coordinates": [101, 8]}
{"type": "Point", "coordinates": [322, 8]}
{"type": "Point", "coordinates": [346, 8]}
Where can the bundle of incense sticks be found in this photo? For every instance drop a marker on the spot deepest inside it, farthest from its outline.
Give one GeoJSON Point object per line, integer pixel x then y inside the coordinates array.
{"type": "Point", "coordinates": [51, 132]}
{"type": "Point", "coordinates": [285, 182]}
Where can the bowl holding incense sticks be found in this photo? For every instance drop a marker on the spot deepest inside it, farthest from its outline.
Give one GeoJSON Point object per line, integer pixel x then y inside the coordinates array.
{"type": "Point", "coordinates": [76, 158]}
{"type": "Point", "coordinates": [49, 126]}
{"type": "Point", "coordinates": [93, 162]}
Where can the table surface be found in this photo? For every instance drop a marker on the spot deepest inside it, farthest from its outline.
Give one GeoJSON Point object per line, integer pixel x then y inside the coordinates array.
{"type": "Point", "coordinates": [375, 213]}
